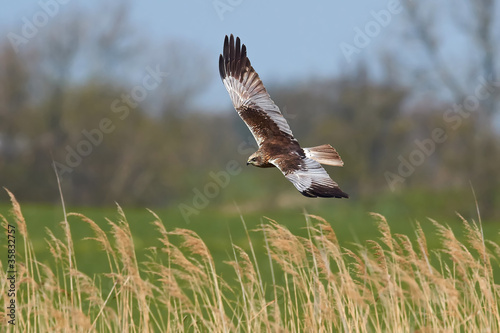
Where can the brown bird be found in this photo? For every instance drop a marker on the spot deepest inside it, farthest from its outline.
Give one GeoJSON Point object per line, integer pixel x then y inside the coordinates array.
{"type": "Point", "coordinates": [277, 145]}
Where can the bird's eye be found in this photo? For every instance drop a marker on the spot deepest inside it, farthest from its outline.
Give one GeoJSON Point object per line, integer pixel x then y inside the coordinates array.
{"type": "Point", "coordinates": [254, 159]}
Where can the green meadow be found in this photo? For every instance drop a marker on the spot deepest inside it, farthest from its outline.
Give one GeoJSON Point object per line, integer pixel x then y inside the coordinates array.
{"type": "Point", "coordinates": [219, 225]}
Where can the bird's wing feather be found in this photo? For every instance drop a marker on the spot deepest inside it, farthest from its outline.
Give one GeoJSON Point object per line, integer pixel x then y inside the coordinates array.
{"type": "Point", "coordinates": [308, 176]}
{"type": "Point", "coordinates": [248, 94]}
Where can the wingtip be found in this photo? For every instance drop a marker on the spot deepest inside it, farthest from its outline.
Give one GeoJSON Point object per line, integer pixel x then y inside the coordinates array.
{"type": "Point", "coordinates": [344, 195]}
{"type": "Point", "coordinates": [233, 61]}
{"type": "Point", "coordinates": [222, 70]}
{"type": "Point", "coordinates": [244, 51]}
{"type": "Point", "coordinates": [225, 50]}
{"type": "Point", "coordinates": [338, 193]}
{"type": "Point", "coordinates": [325, 192]}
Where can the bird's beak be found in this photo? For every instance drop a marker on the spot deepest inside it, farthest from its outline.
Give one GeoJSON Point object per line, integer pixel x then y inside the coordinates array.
{"type": "Point", "coordinates": [248, 163]}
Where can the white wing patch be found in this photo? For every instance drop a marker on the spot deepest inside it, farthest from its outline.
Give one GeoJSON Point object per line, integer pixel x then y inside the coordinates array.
{"type": "Point", "coordinates": [309, 173]}
{"type": "Point", "coordinates": [244, 86]}
{"type": "Point", "coordinates": [236, 90]}
{"type": "Point", "coordinates": [311, 179]}
{"type": "Point", "coordinates": [254, 95]}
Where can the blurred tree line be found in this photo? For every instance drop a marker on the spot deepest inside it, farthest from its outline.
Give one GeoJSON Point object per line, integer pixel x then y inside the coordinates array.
{"type": "Point", "coordinates": [116, 115]}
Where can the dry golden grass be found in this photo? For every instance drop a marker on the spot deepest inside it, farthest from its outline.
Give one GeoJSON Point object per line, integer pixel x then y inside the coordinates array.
{"type": "Point", "coordinates": [390, 284]}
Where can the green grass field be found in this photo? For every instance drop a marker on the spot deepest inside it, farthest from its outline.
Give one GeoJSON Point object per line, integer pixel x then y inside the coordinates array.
{"type": "Point", "coordinates": [218, 225]}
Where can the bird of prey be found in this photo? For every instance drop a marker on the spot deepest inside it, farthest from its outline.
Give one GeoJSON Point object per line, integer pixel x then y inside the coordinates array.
{"type": "Point", "coordinates": [277, 145]}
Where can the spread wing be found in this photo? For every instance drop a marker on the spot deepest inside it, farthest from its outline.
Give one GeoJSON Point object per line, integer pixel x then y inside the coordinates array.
{"type": "Point", "coordinates": [308, 176]}
{"type": "Point", "coordinates": [248, 94]}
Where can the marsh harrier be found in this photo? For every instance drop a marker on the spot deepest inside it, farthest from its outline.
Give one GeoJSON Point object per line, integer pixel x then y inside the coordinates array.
{"type": "Point", "coordinates": [277, 145]}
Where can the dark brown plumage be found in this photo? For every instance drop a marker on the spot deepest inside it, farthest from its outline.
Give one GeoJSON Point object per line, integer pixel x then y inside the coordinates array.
{"type": "Point", "coordinates": [277, 145]}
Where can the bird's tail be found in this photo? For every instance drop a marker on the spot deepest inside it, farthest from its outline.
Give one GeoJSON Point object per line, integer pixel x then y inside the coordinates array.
{"type": "Point", "coordinates": [324, 154]}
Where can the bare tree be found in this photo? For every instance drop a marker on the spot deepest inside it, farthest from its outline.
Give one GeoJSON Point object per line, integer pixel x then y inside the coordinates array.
{"type": "Point", "coordinates": [475, 24]}
{"type": "Point", "coordinates": [466, 69]}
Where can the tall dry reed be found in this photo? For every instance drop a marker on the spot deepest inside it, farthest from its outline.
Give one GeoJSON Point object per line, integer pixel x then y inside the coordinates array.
{"type": "Point", "coordinates": [389, 284]}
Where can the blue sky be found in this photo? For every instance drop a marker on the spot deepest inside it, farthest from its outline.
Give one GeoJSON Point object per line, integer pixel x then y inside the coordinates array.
{"type": "Point", "coordinates": [286, 40]}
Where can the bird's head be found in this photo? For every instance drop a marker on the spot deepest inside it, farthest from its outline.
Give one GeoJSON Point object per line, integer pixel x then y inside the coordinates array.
{"type": "Point", "coordinates": [255, 159]}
